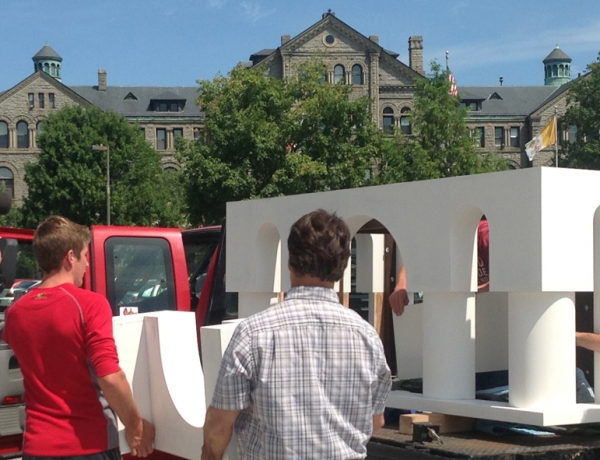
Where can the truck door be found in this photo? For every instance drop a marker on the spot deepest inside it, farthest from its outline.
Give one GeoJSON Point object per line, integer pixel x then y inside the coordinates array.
{"type": "Point", "coordinates": [140, 272]}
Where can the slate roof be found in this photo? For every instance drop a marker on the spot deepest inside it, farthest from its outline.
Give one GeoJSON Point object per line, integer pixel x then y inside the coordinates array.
{"type": "Point", "coordinates": [47, 52]}
{"type": "Point", "coordinates": [507, 100]}
{"type": "Point", "coordinates": [557, 54]}
{"type": "Point", "coordinates": [114, 99]}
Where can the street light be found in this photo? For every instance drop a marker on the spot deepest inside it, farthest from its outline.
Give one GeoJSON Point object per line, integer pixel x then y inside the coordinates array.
{"type": "Point", "coordinates": [104, 148]}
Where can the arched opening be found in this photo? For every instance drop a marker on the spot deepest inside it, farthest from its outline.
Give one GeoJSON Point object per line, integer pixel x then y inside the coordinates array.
{"type": "Point", "coordinates": [46, 67]}
{"type": "Point", "coordinates": [22, 135]}
{"type": "Point", "coordinates": [53, 70]}
{"type": "Point", "coordinates": [339, 74]}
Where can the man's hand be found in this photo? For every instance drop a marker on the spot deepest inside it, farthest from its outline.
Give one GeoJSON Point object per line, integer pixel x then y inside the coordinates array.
{"type": "Point", "coordinates": [140, 438]}
{"type": "Point", "coordinates": [398, 300]}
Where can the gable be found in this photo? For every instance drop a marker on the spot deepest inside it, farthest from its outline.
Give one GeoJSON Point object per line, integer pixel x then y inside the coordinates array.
{"type": "Point", "coordinates": [390, 75]}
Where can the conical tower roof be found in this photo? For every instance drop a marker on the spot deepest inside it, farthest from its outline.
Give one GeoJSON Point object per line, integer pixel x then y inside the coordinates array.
{"type": "Point", "coordinates": [47, 53]}
{"type": "Point", "coordinates": [557, 54]}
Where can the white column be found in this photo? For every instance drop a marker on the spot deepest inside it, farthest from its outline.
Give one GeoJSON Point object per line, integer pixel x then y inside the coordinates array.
{"type": "Point", "coordinates": [449, 345]}
{"type": "Point", "coordinates": [541, 351]}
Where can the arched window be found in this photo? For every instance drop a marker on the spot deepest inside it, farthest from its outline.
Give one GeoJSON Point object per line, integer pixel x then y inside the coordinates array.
{"type": "Point", "coordinates": [338, 74]}
{"type": "Point", "coordinates": [46, 67]}
{"type": "Point", "coordinates": [7, 181]}
{"type": "Point", "coordinates": [4, 144]}
{"type": "Point", "coordinates": [39, 127]}
{"type": "Point", "coordinates": [555, 70]}
{"type": "Point", "coordinates": [405, 125]}
{"type": "Point", "coordinates": [357, 74]}
{"type": "Point", "coordinates": [388, 119]}
{"type": "Point", "coordinates": [58, 70]}
{"type": "Point", "coordinates": [22, 135]}
{"type": "Point", "coordinates": [561, 70]}
{"type": "Point", "coordinates": [53, 69]}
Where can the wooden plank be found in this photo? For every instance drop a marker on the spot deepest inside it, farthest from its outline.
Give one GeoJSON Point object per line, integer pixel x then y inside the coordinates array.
{"type": "Point", "coordinates": [448, 423]}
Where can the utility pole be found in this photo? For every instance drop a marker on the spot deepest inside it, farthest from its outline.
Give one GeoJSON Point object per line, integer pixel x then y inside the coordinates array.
{"type": "Point", "coordinates": [104, 148]}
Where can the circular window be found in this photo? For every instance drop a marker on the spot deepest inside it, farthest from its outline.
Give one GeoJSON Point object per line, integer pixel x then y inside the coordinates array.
{"type": "Point", "coordinates": [329, 40]}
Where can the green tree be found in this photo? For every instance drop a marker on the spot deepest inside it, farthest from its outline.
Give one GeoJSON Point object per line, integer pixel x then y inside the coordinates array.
{"type": "Point", "coordinates": [441, 145]}
{"type": "Point", "coordinates": [584, 113]}
{"type": "Point", "coordinates": [70, 178]}
{"type": "Point", "coordinates": [267, 137]}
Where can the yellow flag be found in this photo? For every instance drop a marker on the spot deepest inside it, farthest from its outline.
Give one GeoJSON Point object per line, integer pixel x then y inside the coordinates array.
{"type": "Point", "coordinates": [545, 138]}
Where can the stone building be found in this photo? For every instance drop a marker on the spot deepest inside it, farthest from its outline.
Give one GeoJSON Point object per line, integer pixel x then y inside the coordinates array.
{"type": "Point", "coordinates": [502, 118]}
{"type": "Point", "coordinates": [163, 113]}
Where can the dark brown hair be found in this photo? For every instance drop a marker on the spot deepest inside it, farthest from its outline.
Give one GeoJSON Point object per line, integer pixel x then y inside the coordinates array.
{"type": "Point", "coordinates": [319, 246]}
{"type": "Point", "coordinates": [54, 238]}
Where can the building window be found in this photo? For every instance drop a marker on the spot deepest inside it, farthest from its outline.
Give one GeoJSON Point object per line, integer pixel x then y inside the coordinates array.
{"type": "Point", "coordinates": [177, 132]}
{"type": "Point", "coordinates": [167, 106]}
{"type": "Point", "coordinates": [22, 135]}
{"type": "Point", "coordinates": [498, 136]}
{"type": "Point", "coordinates": [7, 181]}
{"type": "Point", "coordinates": [51, 100]}
{"type": "Point", "coordinates": [405, 125]}
{"type": "Point", "coordinates": [338, 74]}
{"type": "Point", "coordinates": [4, 144]}
{"type": "Point", "coordinates": [39, 127]}
{"type": "Point", "coordinates": [357, 75]}
{"type": "Point", "coordinates": [514, 137]}
{"type": "Point", "coordinates": [161, 139]}
{"type": "Point", "coordinates": [572, 135]}
{"type": "Point", "coordinates": [47, 68]}
{"type": "Point", "coordinates": [41, 100]}
{"type": "Point", "coordinates": [31, 97]}
{"type": "Point", "coordinates": [197, 134]}
{"type": "Point", "coordinates": [388, 120]}
{"type": "Point", "coordinates": [479, 135]}
{"type": "Point", "coordinates": [143, 131]}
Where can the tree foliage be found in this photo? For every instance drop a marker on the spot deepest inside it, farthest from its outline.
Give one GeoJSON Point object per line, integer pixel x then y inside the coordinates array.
{"type": "Point", "coordinates": [70, 178]}
{"type": "Point", "coordinates": [441, 145]}
{"type": "Point", "coordinates": [584, 113]}
{"type": "Point", "coordinates": [267, 137]}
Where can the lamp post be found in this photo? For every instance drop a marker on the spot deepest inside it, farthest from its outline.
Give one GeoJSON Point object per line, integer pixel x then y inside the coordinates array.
{"type": "Point", "coordinates": [104, 148]}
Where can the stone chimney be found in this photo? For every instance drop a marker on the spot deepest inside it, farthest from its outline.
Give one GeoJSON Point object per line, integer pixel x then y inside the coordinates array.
{"type": "Point", "coordinates": [415, 53]}
{"type": "Point", "coordinates": [374, 38]}
{"type": "Point", "coordinates": [101, 79]}
{"type": "Point", "coordinates": [285, 39]}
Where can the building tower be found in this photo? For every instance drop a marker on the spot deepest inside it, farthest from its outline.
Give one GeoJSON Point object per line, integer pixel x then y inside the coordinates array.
{"type": "Point", "coordinates": [47, 60]}
{"type": "Point", "coordinates": [557, 68]}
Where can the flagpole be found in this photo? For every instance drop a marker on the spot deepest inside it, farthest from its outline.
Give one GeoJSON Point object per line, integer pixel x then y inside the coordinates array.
{"type": "Point", "coordinates": [447, 53]}
{"type": "Point", "coordinates": [556, 134]}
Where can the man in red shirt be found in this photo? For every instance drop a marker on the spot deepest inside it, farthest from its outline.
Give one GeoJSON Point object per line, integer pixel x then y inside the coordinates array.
{"type": "Point", "coordinates": [62, 336]}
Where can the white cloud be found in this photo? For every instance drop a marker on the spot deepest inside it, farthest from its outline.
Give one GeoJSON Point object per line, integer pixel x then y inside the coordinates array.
{"type": "Point", "coordinates": [254, 11]}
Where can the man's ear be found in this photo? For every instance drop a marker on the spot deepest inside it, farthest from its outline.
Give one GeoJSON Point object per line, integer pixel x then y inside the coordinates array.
{"type": "Point", "coordinates": [69, 260]}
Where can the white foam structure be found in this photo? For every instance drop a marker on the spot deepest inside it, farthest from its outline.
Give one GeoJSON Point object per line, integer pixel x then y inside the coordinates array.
{"type": "Point", "coordinates": [544, 246]}
{"type": "Point", "coordinates": [159, 354]}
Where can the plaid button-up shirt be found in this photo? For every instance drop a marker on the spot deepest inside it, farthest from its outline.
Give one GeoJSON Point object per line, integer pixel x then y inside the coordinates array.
{"type": "Point", "coordinates": [308, 375]}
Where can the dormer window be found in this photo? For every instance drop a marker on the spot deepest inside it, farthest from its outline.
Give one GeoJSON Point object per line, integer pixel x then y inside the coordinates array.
{"type": "Point", "coordinates": [167, 102]}
{"type": "Point", "coordinates": [472, 105]}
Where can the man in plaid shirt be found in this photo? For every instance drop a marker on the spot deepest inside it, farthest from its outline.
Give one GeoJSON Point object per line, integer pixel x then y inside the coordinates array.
{"type": "Point", "coordinates": [306, 378]}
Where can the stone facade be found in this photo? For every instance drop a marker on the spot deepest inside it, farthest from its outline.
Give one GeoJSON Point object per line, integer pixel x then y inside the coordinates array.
{"type": "Point", "coordinates": [31, 101]}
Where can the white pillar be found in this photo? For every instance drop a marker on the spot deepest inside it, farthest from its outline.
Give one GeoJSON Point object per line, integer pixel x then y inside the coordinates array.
{"type": "Point", "coordinates": [449, 345]}
{"type": "Point", "coordinates": [541, 352]}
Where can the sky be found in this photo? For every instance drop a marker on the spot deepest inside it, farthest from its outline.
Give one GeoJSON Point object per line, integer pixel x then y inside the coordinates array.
{"type": "Point", "coordinates": [177, 42]}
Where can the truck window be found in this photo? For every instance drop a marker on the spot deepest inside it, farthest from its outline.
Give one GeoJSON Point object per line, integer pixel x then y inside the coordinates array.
{"type": "Point", "coordinates": [139, 275]}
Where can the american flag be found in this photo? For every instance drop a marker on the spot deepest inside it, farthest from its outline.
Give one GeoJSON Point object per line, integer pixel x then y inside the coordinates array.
{"type": "Point", "coordinates": [453, 87]}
